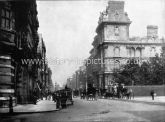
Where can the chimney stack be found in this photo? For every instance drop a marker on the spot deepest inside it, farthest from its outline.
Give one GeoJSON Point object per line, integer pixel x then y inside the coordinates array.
{"type": "Point", "coordinates": [152, 31]}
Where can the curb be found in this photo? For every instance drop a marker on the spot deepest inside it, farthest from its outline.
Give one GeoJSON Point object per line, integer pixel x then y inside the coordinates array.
{"type": "Point", "coordinates": [32, 112]}
{"type": "Point", "coordinates": [136, 101]}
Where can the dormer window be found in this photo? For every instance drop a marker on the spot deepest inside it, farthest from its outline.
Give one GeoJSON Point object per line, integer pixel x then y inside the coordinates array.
{"type": "Point", "coordinates": [116, 31]}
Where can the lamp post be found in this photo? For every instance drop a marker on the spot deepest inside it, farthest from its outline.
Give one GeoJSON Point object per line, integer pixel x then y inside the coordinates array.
{"type": "Point", "coordinates": [55, 86]}
{"type": "Point", "coordinates": [132, 83]}
{"type": "Point", "coordinates": [86, 83]}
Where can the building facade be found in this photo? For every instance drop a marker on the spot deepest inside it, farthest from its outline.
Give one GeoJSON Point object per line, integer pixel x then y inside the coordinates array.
{"type": "Point", "coordinates": [72, 82]}
{"type": "Point", "coordinates": [18, 42]}
{"type": "Point", "coordinates": [42, 72]}
{"type": "Point", "coordinates": [113, 46]}
{"type": "Point", "coordinates": [78, 81]}
{"type": "Point", "coordinates": [50, 85]}
{"type": "Point", "coordinates": [82, 77]}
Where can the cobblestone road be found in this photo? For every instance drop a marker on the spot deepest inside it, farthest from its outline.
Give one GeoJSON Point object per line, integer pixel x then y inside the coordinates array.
{"type": "Point", "coordinates": [100, 110]}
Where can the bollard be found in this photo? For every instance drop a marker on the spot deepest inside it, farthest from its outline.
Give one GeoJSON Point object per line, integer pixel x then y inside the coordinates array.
{"type": "Point", "coordinates": [10, 105]}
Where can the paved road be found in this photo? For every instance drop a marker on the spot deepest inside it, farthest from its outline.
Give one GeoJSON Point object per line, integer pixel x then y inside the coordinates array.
{"type": "Point", "coordinates": [101, 110]}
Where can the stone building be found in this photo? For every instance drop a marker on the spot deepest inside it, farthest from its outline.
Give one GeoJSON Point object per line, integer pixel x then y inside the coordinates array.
{"type": "Point", "coordinates": [113, 46]}
{"type": "Point", "coordinates": [41, 57]}
{"type": "Point", "coordinates": [73, 81]}
{"type": "Point", "coordinates": [50, 85]}
{"type": "Point", "coordinates": [78, 80]}
{"type": "Point", "coordinates": [18, 40]}
{"type": "Point", "coordinates": [82, 77]}
{"type": "Point", "coordinates": [69, 83]}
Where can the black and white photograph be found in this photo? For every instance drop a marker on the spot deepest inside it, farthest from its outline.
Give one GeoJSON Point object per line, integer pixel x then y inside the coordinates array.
{"type": "Point", "coordinates": [82, 60]}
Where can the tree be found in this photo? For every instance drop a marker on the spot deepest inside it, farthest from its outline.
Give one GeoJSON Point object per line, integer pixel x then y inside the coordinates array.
{"type": "Point", "coordinates": [157, 66]}
{"type": "Point", "coordinates": [128, 73]}
{"type": "Point", "coordinates": [148, 73]}
{"type": "Point", "coordinates": [145, 74]}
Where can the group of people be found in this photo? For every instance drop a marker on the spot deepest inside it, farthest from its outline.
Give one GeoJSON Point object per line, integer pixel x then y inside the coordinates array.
{"type": "Point", "coordinates": [90, 93]}
{"type": "Point", "coordinates": [119, 91]}
{"type": "Point", "coordinates": [40, 94]}
{"type": "Point", "coordinates": [115, 91]}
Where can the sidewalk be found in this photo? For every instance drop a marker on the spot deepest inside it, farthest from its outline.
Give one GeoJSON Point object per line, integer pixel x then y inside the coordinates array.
{"type": "Point", "coordinates": [41, 106]}
{"type": "Point", "coordinates": [158, 99]}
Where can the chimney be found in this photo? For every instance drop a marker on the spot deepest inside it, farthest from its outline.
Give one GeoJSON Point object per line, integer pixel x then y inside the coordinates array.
{"type": "Point", "coordinates": [114, 6]}
{"type": "Point", "coordinates": [152, 31]}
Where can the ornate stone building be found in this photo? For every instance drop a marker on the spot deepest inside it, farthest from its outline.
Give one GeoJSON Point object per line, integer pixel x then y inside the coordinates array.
{"type": "Point", "coordinates": [18, 40]}
{"type": "Point", "coordinates": [113, 46]}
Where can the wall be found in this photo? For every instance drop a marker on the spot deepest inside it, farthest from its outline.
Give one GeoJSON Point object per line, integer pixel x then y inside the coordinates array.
{"type": "Point", "coordinates": [145, 90]}
{"type": "Point", "coordinates": [109, 33]}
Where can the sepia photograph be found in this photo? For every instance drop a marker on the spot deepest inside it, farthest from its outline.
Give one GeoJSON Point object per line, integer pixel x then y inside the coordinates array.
{"type": "Point", "coordinates": [82, 60]}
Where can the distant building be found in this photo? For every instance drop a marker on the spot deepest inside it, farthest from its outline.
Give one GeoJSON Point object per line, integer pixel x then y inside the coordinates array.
{"type": "Point", "coordinates": [49, 81]}
{"type": "Point", "coordinates": [57, 87]}
{"type": "Point", "coordinates": [113, 46]}
{"type": "Point", "coordinates": [71, 82]}
{"type": "Point", "coordinates": [82, 78]}
{"type": "Point", "coordinates": [41, 57]}
{"type": "Point", "coordinates": [79, 79]}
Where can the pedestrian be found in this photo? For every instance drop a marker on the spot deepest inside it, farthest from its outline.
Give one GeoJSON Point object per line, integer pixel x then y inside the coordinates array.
{"type": "Point", "coordinates": [130, 93]}
{"type": "Point", "coordinates": [58, 100]}
{"type": "Point", "coordinates": [10, 104]}
{"type": "Point", "coordinates": [35, 96]}
{"type": "Point", "coordinates": [152, 93]}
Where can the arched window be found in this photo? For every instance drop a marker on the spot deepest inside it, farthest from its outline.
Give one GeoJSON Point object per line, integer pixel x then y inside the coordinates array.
{"type": "Point", "coordinates": [153, 52]}
{"type": "Point", "coordinates": [138, 52]}
{"type": "Point", "coordinates": [116, 31]}
{"type": "Point", "coordinates": [117, 52]}
{"type": "Point", "coordinates": [132, 52]}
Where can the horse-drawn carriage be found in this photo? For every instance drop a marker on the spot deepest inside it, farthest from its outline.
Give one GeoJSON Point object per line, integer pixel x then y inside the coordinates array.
{"type": "Point", "coordinates": [91, 93]}
{"type": "Point", "coordinates": [119, 91]}
{"type": "Point", "coordinates": [83, 94]}
{"type": "Point", "coordinates": [63, 97]}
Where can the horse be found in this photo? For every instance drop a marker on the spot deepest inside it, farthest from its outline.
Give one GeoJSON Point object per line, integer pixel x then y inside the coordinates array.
{"type": "Point", "coordinates": [83, 94]}
{"type": "Point", "coordinates": [91, 94]}
{"type": "Point", "coordinates": [127, 93]}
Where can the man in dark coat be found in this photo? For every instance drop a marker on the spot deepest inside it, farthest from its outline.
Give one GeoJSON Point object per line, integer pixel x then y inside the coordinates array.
{"type": "Point", "coordinates": [152, 94]}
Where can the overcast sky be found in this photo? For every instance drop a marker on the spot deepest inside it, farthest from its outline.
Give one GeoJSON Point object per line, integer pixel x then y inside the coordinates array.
{"type": "Point", "coordinates": [68, 28]}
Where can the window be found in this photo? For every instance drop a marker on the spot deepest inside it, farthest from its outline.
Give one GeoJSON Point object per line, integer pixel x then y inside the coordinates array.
{"type": "Point", "coordinates": [7, 19]}
{"type": "Point", "coordinates": [116, 31]}
{"type": "Point", "coordinates": [153, 52]}
{"type": "Point", "coordinates": [116, 15]}
{"type": "Point", "coordinates": [132, 52]}
{"type": "Point", "coordinates": [117, 52]}
{"type": "Point", "coordinates": [138, 52]}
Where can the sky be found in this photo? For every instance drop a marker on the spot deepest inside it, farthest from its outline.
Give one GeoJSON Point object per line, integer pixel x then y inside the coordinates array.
{"type": "Point", "coordinates": [68, 29]}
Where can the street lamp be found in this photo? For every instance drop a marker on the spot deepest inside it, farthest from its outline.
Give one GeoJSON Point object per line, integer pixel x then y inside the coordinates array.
{"type": "Point", "coordinates": [86, 84]}
{"type": "Point", "coordinates": [55, 86]}
{"type": "Point", "coordinates": [132, 82]}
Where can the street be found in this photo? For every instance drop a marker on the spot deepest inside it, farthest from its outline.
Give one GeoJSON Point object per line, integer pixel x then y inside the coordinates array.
{"type": "Point", "coordinates": [100, 110]}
